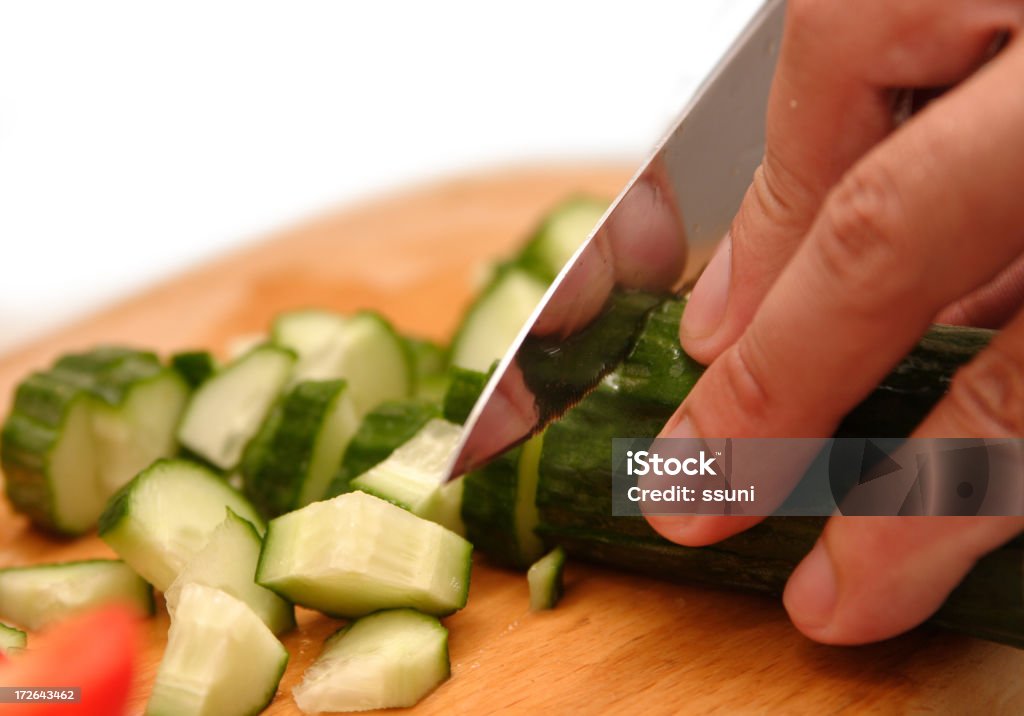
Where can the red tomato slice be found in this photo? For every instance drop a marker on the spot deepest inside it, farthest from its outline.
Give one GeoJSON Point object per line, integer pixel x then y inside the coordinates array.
{"type": "Point", "coordinates": [95, 652]}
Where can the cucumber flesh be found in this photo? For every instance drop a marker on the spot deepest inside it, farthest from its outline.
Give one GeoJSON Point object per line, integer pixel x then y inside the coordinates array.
{"type": "Point", "coordinates": [363, 349]}
{"type": "Point", "coordinates": [38, 595]}
{"type": "Point", "coordinates": [227, 410]}
{"type": "Point", "coordinates": [228, 563]}
{"type": "Point", "coordinates": [545, 580]}
{"type": "Point", "coordinates": [164, 517]}
{"type": "Point", "coordinates": [220, 660]}
{"type": "Point", "coordinates": [495, 319]}
{"type": "Point", "coordinates": [292, 459]}
{"type": "Point", "coordinates": [560, 235]}
{"type": "Point", "coordinates": [386, 660]}
{"type": "Point", "coordinates": [11, 639]}
{"type": "Point", "coordinates": [357, 554]}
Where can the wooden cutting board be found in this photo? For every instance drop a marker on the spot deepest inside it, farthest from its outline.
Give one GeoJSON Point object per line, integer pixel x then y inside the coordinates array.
{"type": "Point", "coordinates": [617, 643]}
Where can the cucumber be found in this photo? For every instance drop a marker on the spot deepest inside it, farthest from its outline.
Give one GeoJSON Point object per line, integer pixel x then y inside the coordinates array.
{"type": "Point", "coordinates": [494, 320]}
{"type": "Point", "coordinates": [430, 363]}
{"type": "Point", "coordinates": [11, 639]}
{"type": "Point", "coordinates": [38, 595]}
{"type": "Point", "coordinates": [79, 431]}
{"type": "Point", "coordinates": [357, 554]}
{"type": "Point", "coordinates": [164, 517]}
{"type": "Point", "coordinates": [412, 477]}
{"type": "Point", "coordinates": [385, 428]}
{"type": "Point", "coordinates": [364, 349]}
{"type": "Point", "coordinates": [227, 410]}
{"type": "Point", "coordinates": [194, 366]}
{"type": "Point", "coordinates": [292, 459]}
{"type": "Point", "coordinates": [464, 387]}
{"type": "Point", "coordinates": [228, 563]}
{"type": "Point", "coordinates": [390, 659]}
{"type": "Point", "coordinates": [220, 660]}
{"type": "Point", "coordinates": [545, 580]}
{"type": "Point", "coordinates": [559, 235]}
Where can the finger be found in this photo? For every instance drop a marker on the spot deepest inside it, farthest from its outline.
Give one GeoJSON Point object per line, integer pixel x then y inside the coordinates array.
{"type": "Point", "coordinates": [992, 305]}
{"type": "Point", "coordinates": [830, 102]}
{"type": "Point", "coordinates": [885, 255]}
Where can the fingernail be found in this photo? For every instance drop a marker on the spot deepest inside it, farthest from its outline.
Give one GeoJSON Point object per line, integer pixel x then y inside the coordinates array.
{"type": "Point", "coordinates": [812, 591]}
{"type": "Point", "coordinates": [706, 307]}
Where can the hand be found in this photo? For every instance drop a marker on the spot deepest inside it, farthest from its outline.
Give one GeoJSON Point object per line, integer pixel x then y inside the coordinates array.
{"type": "Point", "coordinates": [856, 233]}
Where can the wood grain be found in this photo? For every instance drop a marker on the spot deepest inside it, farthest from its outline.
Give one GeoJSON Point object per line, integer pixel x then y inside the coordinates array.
{"type": "Point", "coordinates": [618, 643]}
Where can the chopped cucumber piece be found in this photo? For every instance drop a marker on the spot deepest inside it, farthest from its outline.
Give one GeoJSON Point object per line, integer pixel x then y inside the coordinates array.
{"type": "Point", "coordinates": [464, 389]}
{"type": "Point", "coordinates": [545, 580]}
{"type": "Point", "coordinates": [356, 554]}
{"type": "Point", "coordinates": [363, 349]}
{"type": "Point", "coordinates": [292, 459]}
{"type": "Point", "coordinates": [386, 660]}
{"type": "Point", "coordinates": [79, 431]}
{"type": "Point", "coordinates": [412, 476]}
{"type": "Point", "coordinates": [221, 660]}
{"type": "Point", "coordinates": [11, 639]}
{"type": "Point", "coordinates": [383, 429]}
{"type": "Point", "coordinates": [494, 320]}
{"type": "Point", "coordinates": [559, 235]}
{"type": "Point", "coordinates": [194, 366]}
{"type": "Point", "coordinates": [35, 596]}
{"type": "Point", "coordinates": [160, 520]}
{"type": "Point", "coordinates": [228, 563]}
{"type": "Point", "coordinates": [429, 361]}
{"type": "Point", "coordinates": [227, 410]}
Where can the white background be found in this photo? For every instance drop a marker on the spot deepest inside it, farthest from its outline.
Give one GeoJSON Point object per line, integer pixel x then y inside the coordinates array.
{"type": "Point", "coordinates": [137, 138]}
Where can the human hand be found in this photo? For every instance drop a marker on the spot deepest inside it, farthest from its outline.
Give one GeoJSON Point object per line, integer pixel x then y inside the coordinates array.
{"type": "Point", "coordinates": [856, 233]}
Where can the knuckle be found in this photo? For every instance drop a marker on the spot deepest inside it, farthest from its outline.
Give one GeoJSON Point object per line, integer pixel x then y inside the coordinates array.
{"type": "Point", "coordinates": [744, 381]}
{"type": "Point", "coordinates": [987, 395]}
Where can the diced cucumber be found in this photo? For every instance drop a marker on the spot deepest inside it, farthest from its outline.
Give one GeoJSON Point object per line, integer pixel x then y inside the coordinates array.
{"type": "Point", "coordinates": [35, 596]}
{"type": "Point", "coordinates": [79, 431]}
{"type": "Point", "coordinates": [11, 639]}
{"type": "Point", "coordinates": [220, 660]}
{"type": "Point", "coordinates": [227, 410]}
{"type": "Point", "coordinates": [382, 430]}
{"type": "Point", "coordinates": [356, 554]}
{"type": "Point", "coordinates": [292, 459]}
{"type": "Point", "coordinates": [559, 235]}
{"type": "Point", "coordinates": [194, 366]}
{"type": "Point", "coordinates": [464, 388]}
{"type": "Point", "coordinates": [386, 660]}
{"type": "Point", "coordinates": [161, 519]}
{"type": "Point", "coordinates": [228, 563]}
{"type": "Point", "coordinates": [412, 477]}
{"type": "Point", "coordinates": [430, 362]}
{"type": "Point", "coordinates": [494, 320]}
{"type": "Point", "coordinates": [545, 580]}
{"type": "Point", "coordinates": [364, 349]}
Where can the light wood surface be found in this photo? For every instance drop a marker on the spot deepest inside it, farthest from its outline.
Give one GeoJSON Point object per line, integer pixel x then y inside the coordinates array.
{"type": "Point", "coordinates": [618, 643]}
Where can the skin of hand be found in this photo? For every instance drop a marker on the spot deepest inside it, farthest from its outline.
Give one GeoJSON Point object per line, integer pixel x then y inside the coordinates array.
{"type": "Point", "coordinates": [856, 233]}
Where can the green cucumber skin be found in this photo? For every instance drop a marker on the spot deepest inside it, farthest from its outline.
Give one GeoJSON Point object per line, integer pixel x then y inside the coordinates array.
{"type": "Point", "coordinates": [194, 366]}
{"type": "Point", "coordinates": [381, 432]}
{"type": "Point", "coordinates": [464, 387]}
{"type": "Point", "coordinates": [574, 493]}
{"type": "Point", "coordinates": [275, 463]}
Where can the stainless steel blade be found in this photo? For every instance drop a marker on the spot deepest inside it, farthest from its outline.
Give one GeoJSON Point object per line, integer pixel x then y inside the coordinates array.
{"type": "Point", "coordinates": [653, 237]}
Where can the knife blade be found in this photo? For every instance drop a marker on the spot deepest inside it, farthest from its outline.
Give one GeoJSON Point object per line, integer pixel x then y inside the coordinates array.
{"type": "Point", "coordinates": [662, 225]}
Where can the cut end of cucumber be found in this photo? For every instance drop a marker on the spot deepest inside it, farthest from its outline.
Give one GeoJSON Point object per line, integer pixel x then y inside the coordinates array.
{"type": "Point", "coordinates": [564, 229]}
{"type": "Point", "coordinates": [545, 580]}
{"type": "Point", "coordinates": [357, 554]}
{"type": "Point", "coordinates": [386, 660]}
{"type": "Point", "coordinates": [11, 639]}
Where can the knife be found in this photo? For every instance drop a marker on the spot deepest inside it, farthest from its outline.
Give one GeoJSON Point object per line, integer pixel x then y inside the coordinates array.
{"type": "Point", "coordinates": [662, 225]}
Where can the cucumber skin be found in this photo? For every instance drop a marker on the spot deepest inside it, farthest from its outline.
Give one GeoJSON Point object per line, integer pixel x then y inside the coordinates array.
{"type": "Point", "coordinates": [574, 493]}
{"type": "Point", "coordinates": [464, 387]}
{"type": "Point", "coordinates": [381, 432]}
{"type": "Point", "coordinates": [194, 366]}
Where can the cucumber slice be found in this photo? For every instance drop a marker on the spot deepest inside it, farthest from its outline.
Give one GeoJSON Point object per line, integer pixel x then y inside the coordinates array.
{"type": "Point", "coordinates": [495, 318]}
{"type": "Point", "coordinates": [363, 349]}
{"type": "Point", "coordinates": [79, 431]}
{"type": "Point", "coordinates": [35, 596]}
{"type": "Point", "coordinates": [227, 410]}
{"type": "Point", "coordinates": [559, 235]}
{"type": "Point", "coordinates": [386, 660]}
{"type": "Point", "coordinates": [464, 387]}
{"type": "Point", "coordinates": [412, 476]}
{"type": "Point", "coordinates": [220, 660]}
{"type": "Point", "coordinates": [545, 580]}
{"type": "Point", "coordinates": [228, 563]}
{"type": "Point", "coordinates": [162, 519]}
{"type": "Point", "coordinates": [11, 639]}
{"type": "Point", "coordinates": [292, 459]}
{"type": "Point", "coordinates": [194, 366]}
{"type": "Point", "coordinates": [356, 554]}
{"type": "Point", "coordinates": [429, 361]}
